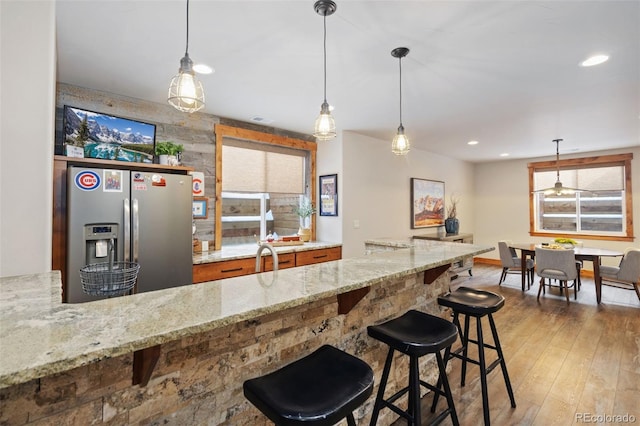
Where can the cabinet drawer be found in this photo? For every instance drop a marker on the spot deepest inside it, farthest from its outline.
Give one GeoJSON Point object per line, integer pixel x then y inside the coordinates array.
{"type": "Point", "coordinates": [286, 260]}
{"type": "Point", "coordinates": [317, 256]}
{"type": "Point", "coordinates": [225, 269]}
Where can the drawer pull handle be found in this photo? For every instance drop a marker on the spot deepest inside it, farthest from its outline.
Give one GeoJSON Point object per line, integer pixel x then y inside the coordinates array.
{"type": "Point", "coordinates": [231, 270]}
{"type": "Point", "coordinates": [285, 262]}
{"type": "Point", "coordinates": [320, 256]}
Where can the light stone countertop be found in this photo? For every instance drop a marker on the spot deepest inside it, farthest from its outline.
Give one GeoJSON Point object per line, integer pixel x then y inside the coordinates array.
{"type": "Point", "coordinates": [244, 251]}
{"type": "Point", "coordinates": [40, 336]}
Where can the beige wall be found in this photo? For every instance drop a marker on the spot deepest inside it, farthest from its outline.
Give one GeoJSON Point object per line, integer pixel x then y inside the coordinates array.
{"type": "Point", "coordinates": [27, 81]}
{"type": "Point", "coordinates": [376, 190]}
{"type": "Point", "coordinates": [502, 203]}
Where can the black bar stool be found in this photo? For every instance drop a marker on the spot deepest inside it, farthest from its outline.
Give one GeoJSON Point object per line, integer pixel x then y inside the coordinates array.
{"type": "Point", "coordinates": [320, 389]}
{"type": "Point", "coordinates": [415, 334]}
{"type": "Point", "coordinates": [476, 304]}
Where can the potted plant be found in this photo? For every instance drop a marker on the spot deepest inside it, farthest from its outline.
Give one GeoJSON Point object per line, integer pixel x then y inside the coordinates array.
{"type": "Point", "coordinates": [451, 223]}
{"type": "Point", "coordinates": [167, 152]}
{"type": "Point", "coordinates": [305, 210]}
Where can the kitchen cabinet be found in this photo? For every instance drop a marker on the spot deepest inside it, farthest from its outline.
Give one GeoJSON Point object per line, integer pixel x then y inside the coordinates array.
{"type": "Point", "coordinates": [310, 257]}
{"type": "Point", "coordinates": [224, 269]}
{"type": "Point", "coordinates": [285, 260]}
{"type": "Point", "coordinates": [221, 269]}
{"type": "Point", "coordinates": [461, 265]}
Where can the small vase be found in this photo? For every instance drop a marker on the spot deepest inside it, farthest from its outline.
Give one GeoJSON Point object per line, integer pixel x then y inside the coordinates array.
{"type": "Point", "coordinates": [163, 159]}
{"type": "Point", "coordinates": [451, 225]}
{"type": "Point", "coordinates": [305, 234]}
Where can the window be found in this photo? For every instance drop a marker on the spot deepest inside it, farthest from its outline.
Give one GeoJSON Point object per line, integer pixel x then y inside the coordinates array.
{"type": "Point", "coordinates": [262, 175]}
{"type": "Point", "coordinates": [602, 210]}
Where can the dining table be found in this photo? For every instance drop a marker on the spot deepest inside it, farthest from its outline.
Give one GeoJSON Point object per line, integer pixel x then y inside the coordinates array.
{"type": "Point", "coordinates": [589, 254]}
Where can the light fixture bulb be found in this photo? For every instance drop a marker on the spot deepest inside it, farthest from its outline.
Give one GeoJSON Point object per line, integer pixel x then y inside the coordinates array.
{"type": "Point", "coordinates": [400, 144]}
{"type": "Point", "coordinates": [325, 127]}
{"type": "Point", "coordinates": [594, 60]}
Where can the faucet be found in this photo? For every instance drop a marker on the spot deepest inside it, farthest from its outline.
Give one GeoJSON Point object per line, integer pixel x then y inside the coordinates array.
{"type": "Point", "coordinates": [274, 254]}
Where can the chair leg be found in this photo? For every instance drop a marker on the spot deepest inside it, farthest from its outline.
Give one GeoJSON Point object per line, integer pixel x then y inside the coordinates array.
{"type": "Point", "coordinates": [541, 288]}
{"type": "Point", "coordinates": [503, 275]}
{"type": "Point", "coordinates": [414, 391]}
{"type": "Point", "coordinates": [350, 420]}
{"type": "Point", "coordinates": [635, 287]}
{"type": "Point", "coordinates": [565, 285]}
{"type": "Point", "coordinates": [465, 349]}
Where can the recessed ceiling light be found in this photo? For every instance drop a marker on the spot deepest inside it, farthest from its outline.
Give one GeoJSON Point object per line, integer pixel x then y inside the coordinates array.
{"type": "Point", "coordinates": [472, 143]}
{"type": "Point", "coordinates": [202, 69]}
{"type": "Point", "coordinates": [594, 60]}
{"type": "Point", "coordinates": [504, 154]}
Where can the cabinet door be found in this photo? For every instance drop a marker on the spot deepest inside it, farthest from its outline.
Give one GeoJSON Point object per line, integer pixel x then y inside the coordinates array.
{"type": "Point", "coordinates": [224, 269]}
{"type": "Point", "coordinates": [286, 260]}
{"type": "Point", "coordinates": [310, 257]}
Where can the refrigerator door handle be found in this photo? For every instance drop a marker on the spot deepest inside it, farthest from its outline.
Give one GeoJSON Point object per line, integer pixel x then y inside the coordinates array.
{"type": "Point", "coordinates": [136, 229]}
{"type": "Point", "coordinates": [127, 231]}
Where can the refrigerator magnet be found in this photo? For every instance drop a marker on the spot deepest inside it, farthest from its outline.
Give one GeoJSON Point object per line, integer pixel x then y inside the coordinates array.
{"type": "Point", "coordinates": [112, 181]}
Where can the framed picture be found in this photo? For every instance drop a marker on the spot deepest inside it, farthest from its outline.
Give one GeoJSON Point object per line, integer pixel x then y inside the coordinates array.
{"type": "Point", "coordinates": [108, 137]}
{"type": "Point", "coordinates": [427, 203]}
{"type": "Point", "coordinates": [329, 195]}
{"type": "Point", "coordinates": [200, 210]}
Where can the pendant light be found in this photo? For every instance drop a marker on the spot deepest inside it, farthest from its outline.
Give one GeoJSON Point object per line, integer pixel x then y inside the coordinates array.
{"type": "Point", "coordinates": [558, 189]}
{"type": "Point", "coordinates": [400, 144]}
{"type": "Point", "coordinates": [185, 91]}
{"type": "Point", "coordinates": [325, 127]}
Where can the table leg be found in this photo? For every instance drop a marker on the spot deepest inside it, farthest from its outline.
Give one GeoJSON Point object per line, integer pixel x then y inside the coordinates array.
{"type": "Point", "coordinates": [523, 267]}
{"type": "Point", "coordinates": [596, 277]}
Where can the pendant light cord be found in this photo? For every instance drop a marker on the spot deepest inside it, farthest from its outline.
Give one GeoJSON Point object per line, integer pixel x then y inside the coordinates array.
{"type": "Point", "coordinates": [400, 63]}
{"type": "Point", "coordinates": [325, 56]}
{"type": "Point", "coordinates": [186, 49]}
{"type": "Point", "coordinates": [557, 141]}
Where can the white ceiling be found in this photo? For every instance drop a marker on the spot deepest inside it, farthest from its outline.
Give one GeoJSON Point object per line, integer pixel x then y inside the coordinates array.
{"type": "Point", "coordinates": [504, 73]}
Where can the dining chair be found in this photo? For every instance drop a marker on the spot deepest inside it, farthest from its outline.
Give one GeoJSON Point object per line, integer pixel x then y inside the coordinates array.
{"type": "Point", "coordinates": [626, 275]}
{"type": "Point", "coordinates": [557, 265]}
{"type": "Point", "coordinates": [511, 263]}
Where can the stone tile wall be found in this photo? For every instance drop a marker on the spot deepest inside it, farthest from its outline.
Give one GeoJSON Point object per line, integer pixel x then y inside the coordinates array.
{"type": "Point", "coordinates": [198, 379]}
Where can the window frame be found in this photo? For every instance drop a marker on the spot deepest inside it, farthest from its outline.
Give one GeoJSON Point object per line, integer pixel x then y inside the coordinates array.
{"type": "Point", "coordinates": [222, 131]}
{"type": "Point", "coordinates": [580, 163]}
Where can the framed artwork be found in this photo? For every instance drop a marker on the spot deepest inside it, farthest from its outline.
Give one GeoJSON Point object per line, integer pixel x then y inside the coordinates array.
{"type": "Point", "coordinates": [200, 210]}
{"type": "Point", "coordinates": [97, 135]}
{"type": "Point", "coordinates": [329, 195]}
{"type": "Point", "coordinates": [427, 203]}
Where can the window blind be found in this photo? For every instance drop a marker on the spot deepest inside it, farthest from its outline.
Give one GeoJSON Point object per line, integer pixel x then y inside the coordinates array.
{"type": "Point", "coordinates": [255, 167]}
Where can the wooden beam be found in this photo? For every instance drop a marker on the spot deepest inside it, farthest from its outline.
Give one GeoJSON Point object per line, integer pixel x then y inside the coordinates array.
{"type": "Point", "coordinates": [346, 301]}
{"type": "Point", "coordinates": [144, 361]}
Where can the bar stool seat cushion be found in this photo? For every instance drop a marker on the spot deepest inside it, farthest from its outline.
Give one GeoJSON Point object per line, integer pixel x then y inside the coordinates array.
{"type": "Point", "coordinates": [321, 388]}
{"type": "Point", "coordinates": [472, 301]}
{"type": "Point", "coordinates": [415, 333]}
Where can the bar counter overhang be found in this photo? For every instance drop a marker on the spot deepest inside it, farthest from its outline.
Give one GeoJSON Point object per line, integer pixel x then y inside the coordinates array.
{"type": "Point", "coordinates": [206, 339]}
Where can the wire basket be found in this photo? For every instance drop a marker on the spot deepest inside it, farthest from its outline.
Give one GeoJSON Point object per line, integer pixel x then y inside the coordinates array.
{"type": "Point", "coordinates": [103, 279]}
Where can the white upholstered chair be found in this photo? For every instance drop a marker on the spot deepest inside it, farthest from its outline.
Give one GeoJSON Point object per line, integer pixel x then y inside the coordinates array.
{"type": "Point", "coordinates": [557, 265]}
{"type": "Point", "coordinates": [626, 275]}
{"type": "Point", "coordinates": [511, 263]}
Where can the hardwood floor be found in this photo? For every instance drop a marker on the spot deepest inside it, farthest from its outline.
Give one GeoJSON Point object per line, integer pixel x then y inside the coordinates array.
{"type": "Point", "coordinates": [567, 364]}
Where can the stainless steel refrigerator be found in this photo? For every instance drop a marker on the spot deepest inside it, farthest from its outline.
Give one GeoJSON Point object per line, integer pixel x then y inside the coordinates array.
{"type": "Point", "coordinates": [136, 216]}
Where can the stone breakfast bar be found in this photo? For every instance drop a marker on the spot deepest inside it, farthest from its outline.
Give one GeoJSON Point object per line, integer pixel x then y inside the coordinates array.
{"type": "Point", "coordinates": [179, 356]}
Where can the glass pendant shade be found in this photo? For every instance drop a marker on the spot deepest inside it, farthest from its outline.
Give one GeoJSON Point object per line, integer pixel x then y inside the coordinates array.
{"type": "Point", "coordinates": [185, 91]}
{"type": "Point", "coordinates": [400, 144]}
{"type": "Point", "coordinates": [325, 128]}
